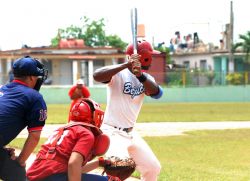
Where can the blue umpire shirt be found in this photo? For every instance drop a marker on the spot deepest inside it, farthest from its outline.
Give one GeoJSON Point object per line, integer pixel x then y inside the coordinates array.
{"type": "Point", "coordinates": [20, 107]}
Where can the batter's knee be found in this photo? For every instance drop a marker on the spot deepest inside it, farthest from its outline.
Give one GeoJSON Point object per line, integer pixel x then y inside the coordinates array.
{"type": "Point", "coordinates": [152, 168]}
{"type": "Point", "coordinates": [151, 174]}
{"type": "Point", "coordinates": [155, 168]}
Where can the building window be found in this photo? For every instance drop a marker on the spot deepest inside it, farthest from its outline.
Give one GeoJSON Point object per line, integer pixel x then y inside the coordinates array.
{"type": "Point", "coordinates": [186, 64]}
{"type": "Point", "coordinates": [203, 64]}
{"type": "Point", "coordinates": [48, 65]}
{"type": "Point", "coordinates": [98, 63]}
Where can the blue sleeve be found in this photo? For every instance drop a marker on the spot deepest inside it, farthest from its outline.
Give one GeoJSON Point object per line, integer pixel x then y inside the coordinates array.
{"type": "Point", "coordinates": [159, 94]}
{"type": "Point", "coordinates": [37, 114]}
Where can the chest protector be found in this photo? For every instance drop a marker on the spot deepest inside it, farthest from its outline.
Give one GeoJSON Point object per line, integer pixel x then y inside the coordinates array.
{"type": "Point", "coordinates": [101, 144]}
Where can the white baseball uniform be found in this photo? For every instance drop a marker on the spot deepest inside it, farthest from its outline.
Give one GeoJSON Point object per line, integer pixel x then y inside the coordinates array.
{"type": "Point", "coordinates": [125, 96]}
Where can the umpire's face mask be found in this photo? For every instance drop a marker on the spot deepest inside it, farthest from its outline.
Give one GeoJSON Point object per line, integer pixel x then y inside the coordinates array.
{"type": "Point", "coordinates": [39, 83]}
{"type": "Point", "coordinates": [41, 79]}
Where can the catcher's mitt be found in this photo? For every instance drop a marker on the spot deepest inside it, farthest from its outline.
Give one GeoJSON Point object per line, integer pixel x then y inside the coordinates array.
{"type": "Point", "coordinates": [118, 167]}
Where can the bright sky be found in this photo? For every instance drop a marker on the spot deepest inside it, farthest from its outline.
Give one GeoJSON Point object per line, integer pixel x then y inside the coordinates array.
{"type": "Point", "coordinates": [35, 22]}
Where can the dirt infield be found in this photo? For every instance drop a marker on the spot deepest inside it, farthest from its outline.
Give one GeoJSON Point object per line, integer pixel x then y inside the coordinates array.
{"type": "Point", "coordinates": [166, 128]}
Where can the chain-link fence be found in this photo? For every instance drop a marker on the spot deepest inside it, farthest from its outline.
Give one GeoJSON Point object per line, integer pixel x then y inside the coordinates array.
{"type": "Point", "coordinates": [205, 78]}
{"type": "Point", "coordinates": [172, 78]}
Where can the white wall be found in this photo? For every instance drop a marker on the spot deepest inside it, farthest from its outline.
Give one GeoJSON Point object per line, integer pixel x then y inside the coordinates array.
{"type": "Point", "coordinates": [180, 59]}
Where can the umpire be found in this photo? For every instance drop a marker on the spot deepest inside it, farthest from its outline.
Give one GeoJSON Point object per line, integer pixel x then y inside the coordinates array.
{"type": "Point", "coordinates": [21, 106]}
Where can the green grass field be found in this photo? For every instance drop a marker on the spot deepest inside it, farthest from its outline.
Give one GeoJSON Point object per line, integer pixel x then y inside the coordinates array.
{"type": "Point", "coordinates": [171, 112]}
{"type": "Point", "coordinates": [199, 155]}
{"type": "Point", "coordinates": [204, 156]}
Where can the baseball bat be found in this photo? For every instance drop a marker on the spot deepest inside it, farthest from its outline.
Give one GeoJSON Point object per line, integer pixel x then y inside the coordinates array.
{"type": "Point", "coordinates": [134, 28]}
{"type": "Point", "coordinates": [134, 32]}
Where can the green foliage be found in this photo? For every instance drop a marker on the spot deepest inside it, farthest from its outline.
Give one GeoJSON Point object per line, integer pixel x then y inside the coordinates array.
{"type": "Point", "coordinates": [115, 41]}
{"type": "Point", "coordinates": [71, 32]}
{"type": "Point", "coordinates": [68, 33]}
{"type": "Point", "coordinates": [55, 41]}
{"type": "Point", "coordinates": [92, 32]}
{"type": "Point", "coordinates": [165, 50]}
{"type": "Point", "coordinates": [210, 75]}
{"type": "Point", "coordinates": [174, 78]}
{"type": "Point", "coordinates": [235, 78]}
{"type": "Point", "coordinates": [244, 45]}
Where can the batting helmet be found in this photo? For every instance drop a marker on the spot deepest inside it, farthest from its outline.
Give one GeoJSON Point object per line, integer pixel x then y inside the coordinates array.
{"type": "Point", "coordinates": [146, 51]}
{"type": "Point", "coordinates": [87, 111]}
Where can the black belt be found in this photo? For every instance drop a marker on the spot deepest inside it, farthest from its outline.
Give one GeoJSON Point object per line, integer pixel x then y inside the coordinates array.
{"type": "Point", "coordinates": [125, 129]}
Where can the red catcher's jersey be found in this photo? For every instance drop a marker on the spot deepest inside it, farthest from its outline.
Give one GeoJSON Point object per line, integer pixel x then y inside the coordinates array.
{"type": "Point", "coordinates": [85, 94]}
{"type": "Point", "coordinates": [74, 139]}
{"type": "Point", "coordinates": [85, 91]}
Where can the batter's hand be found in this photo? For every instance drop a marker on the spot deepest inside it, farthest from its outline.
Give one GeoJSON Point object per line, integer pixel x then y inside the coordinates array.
{"type": "Point", "coordinates": [136, 64]}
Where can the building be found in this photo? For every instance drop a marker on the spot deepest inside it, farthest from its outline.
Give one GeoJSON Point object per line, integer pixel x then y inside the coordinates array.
{"type": "Point", "coordinates": [65, 65]}
{"type": "Point", "coordinates": [73, 60]}
{"type": "Point", "coordinates": [206, 58]}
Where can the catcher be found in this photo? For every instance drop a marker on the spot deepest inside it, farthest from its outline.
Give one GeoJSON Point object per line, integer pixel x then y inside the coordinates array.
{"type": "Point", "coordinates": [67, 152]}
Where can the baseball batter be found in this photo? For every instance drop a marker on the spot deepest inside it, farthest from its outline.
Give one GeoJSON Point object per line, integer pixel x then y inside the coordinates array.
{"type": "Point", "coordinates": [127, 84]}
{"type": "Point", "coordinates": [21, 106]}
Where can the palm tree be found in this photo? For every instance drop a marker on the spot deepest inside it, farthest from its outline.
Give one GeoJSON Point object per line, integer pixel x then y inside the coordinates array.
{"type": "Point", "coordinates": [244, 45]}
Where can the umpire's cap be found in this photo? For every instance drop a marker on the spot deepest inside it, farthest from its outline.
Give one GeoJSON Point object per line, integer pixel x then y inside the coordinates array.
{"type": "Point", "coordinates": [27, 66]}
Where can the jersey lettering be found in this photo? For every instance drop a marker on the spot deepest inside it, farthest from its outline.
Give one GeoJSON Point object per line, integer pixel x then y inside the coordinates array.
{"type": "Point", "coordinates": [63, 135]}
{"type": "Point", "coordinates": [51, 138]}
{"type": "Point", "coordinates": [133, 91]}
{"type": "Point", "coordinates": [43, 115]}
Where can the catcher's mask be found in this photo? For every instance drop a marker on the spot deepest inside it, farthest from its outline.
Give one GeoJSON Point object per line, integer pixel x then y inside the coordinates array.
{"type": "Point", "coordinates": [87, 111]}
{"type": "Point", "coordinates": [28, 66]}
{"type": "Point", "coordinates": [146, 51]}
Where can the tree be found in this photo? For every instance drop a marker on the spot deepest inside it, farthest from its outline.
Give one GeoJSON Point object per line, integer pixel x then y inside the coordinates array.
{"type": "Point", "coordinates": [166, 50]}
{"type": "Point", "coordinates": [244, 45]}
{"type": "Point", "coordinates": [92, 32]}
{"type": "Point", "coordinates": [115, 41]}
{"type": "Point", "coordinates": [70, 32]}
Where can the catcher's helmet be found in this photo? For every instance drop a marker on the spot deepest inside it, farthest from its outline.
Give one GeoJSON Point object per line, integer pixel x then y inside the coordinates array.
{"type": "Point", "coordinates": [146, 51]}
{"type": "Point", "coordinates": [87, 111]}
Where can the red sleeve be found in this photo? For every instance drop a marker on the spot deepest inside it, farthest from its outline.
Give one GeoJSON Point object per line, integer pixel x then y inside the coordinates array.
{"type": "Point", "coordinates": [85, 92]}
{"type": "Point", "coordinates": [85, 142]}
{"type": "Point", "coordinates": [39, 128]}
{"type": "Point", "coordinates": [72, 89]}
